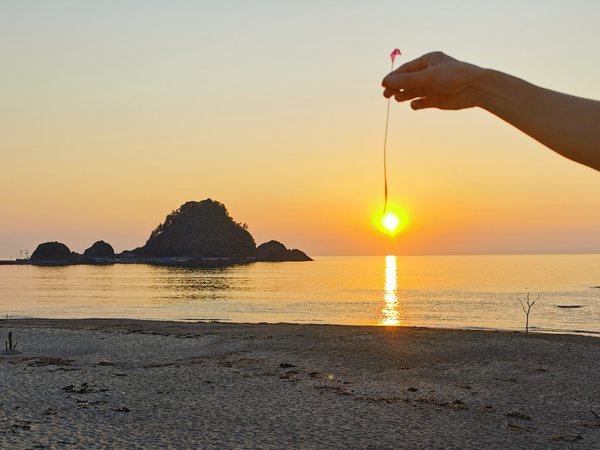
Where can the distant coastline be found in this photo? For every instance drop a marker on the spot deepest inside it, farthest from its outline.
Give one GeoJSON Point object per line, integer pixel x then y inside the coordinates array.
{"type": "Point", "coordinates": [197, 234]}
{"type": "Point", "coordinates": [162, 261]}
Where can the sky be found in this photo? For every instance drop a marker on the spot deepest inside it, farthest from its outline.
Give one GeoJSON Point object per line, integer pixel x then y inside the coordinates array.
{"type": "Point", "coordinates": [114, 113]}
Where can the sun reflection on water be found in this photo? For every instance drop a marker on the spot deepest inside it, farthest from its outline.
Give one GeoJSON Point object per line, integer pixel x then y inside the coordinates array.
{"type": "Point", "coordinates": [390, 313]}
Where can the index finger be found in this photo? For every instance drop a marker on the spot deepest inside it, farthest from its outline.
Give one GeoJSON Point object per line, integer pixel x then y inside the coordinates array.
{"type": "Point", "coordinates": [397, 80]}
{"type": "Point", "coordinates": [415, 65]}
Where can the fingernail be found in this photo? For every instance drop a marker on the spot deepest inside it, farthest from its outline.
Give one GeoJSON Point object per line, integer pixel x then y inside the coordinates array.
{"type": "Point", "coordinates": [390, 77]}
{"type": "Point", "coordinates": [387, 79]}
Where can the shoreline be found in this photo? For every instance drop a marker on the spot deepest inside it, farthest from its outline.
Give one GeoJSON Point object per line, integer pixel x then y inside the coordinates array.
{"type": "Point", "coordinates": [126, 382]}
{"type": "Point", "coordinates": [82, 322]}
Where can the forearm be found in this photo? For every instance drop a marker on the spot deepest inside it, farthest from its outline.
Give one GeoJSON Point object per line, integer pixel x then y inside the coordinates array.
{"type": "Point", "coordinates": [568, 125]}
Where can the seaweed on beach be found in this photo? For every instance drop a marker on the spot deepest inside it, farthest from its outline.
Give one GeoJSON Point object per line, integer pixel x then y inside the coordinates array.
{"type": "Point", "coordinates": [48, 361]}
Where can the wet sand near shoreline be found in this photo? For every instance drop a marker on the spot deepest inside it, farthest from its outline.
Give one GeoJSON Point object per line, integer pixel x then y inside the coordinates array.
{"type": "Point", "coordinates": [127, 384]}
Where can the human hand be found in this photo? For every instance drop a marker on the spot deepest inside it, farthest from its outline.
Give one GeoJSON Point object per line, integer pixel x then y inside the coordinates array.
{"type": "Point", "coordinates": [434, 80]}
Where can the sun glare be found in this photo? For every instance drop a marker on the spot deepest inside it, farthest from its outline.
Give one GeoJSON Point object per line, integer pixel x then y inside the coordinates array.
{"type": "Point", "coordinates": [391, 310]}
{"type": "Point", "coordinates": [393, 221]}
{"type": "Point", "coordinates": [390, 222]}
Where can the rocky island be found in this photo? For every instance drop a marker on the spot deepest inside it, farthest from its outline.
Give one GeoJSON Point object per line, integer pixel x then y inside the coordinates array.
{"type": "Point", "coordinates": [197, 234]}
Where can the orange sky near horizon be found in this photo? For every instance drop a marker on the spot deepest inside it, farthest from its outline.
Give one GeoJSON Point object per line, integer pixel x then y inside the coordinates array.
{"type": "Point", "coordinates": [115, 114]}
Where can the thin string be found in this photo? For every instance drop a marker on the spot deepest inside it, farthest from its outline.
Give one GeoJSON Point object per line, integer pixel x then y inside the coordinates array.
{"type": "Point", "coordinates": [387, 121]}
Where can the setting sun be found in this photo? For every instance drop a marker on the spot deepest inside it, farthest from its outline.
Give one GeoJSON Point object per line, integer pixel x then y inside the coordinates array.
{"type": "Point", "coordinates": [390, 222]}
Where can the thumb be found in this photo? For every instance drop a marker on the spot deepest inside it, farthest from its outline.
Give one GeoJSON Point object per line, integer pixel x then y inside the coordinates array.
{"type": "Point", "coordinates": [423, 103]}
{"type": "Point", "coordinates": [408, 80]}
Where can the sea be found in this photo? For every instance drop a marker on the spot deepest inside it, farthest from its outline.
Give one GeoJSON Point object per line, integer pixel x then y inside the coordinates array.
{"type": "Point", "coordinates": [475, 291]}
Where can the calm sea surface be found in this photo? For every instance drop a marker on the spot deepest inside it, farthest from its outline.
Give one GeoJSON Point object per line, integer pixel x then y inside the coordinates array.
{"type": "Point", "coordinates": [447, 291]}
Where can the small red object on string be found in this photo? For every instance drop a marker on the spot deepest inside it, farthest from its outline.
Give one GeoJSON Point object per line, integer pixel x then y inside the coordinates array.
{"type": "Point", "coordinates": [395, 52]}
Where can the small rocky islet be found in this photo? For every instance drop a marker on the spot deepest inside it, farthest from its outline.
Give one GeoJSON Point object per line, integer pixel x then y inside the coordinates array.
{"type": "Point", "coordinates": [197, 234]}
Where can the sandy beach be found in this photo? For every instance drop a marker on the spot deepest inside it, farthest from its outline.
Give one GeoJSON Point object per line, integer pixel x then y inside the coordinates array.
{"type": "Point", "coordinates": [143, 384]}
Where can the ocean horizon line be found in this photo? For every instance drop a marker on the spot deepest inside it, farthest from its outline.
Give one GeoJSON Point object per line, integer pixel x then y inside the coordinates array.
{"type": "Point", "coordinates": [317, 255]}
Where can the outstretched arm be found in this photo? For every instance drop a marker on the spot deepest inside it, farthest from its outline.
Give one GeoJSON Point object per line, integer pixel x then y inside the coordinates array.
{"type": "Point", "coordinates": [567, 124]}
